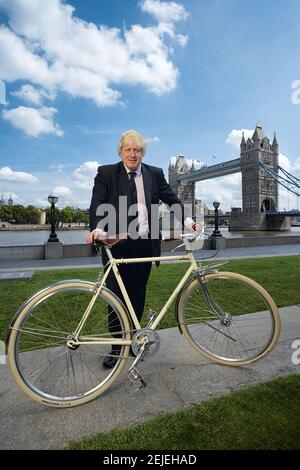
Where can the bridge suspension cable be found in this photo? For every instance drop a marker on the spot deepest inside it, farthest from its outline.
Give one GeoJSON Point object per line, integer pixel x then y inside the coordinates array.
{"type": "Point", "coordinates": [291, 177]}
{"type": "Point", "coordinates": [288, 181]}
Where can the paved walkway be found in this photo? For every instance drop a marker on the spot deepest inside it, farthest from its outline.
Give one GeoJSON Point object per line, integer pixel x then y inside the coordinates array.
{"type": "Point", "coordinates": [92, 262]}
{"type": "Point", "coordinates": [177, 377]}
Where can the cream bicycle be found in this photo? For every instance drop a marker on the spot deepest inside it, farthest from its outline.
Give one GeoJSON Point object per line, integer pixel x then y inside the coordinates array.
{"type": "Point", "coordinates": [58, 338]}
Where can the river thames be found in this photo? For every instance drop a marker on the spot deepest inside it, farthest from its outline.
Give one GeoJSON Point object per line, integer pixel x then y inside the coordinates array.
{"type": "Point", "coordinates": [70, 237]}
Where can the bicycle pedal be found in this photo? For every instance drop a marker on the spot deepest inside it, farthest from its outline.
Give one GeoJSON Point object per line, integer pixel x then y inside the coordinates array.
{"type": "Point", "coordinates": [136, 379]}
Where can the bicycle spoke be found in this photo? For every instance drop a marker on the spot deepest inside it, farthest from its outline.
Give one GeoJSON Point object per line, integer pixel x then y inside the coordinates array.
{"type": "Point", "coordinates": [52, 364]}
{"type": "Point", "coordinates": [228, 319]}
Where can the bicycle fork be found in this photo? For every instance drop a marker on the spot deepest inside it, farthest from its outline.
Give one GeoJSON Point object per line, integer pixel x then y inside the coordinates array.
{"type": "Point", "coordinates": [224, 317]}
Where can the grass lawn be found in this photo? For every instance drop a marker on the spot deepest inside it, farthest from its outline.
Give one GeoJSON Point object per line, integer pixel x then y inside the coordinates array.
{"type": "Point", "coordinates": [279, 275]}
{"type": "Point", "coordinates": [265, 416]}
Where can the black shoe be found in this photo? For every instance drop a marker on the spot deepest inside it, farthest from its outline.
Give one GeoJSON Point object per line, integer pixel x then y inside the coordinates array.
{"type": "Point", "coordinates": [110, 361]}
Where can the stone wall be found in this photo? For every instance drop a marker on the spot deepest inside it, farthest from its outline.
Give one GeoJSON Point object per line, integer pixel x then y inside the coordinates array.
{"type": "Point", "coordinates": [259, 221]}
{"type": "Point", "coordinates": [77, 251]}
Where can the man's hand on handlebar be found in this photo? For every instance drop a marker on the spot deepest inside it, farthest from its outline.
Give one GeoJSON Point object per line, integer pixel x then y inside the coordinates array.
{"type": "Point", "coordinates": [102, 237]}
{"type": "Point", "coordinates": [96, 235]}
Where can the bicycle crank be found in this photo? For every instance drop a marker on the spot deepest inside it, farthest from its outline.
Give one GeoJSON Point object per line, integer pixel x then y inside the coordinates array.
{"type": "Point", "coordinates": [147, 338]}
{"type": "Point", "coordinates": [137, 381]}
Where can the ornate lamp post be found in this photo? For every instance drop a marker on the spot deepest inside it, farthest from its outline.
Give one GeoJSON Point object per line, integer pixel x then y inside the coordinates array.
{"type": "Point", "coordinates": [53, 237]}
{"type": "Point", "coordinates": [216, 232]}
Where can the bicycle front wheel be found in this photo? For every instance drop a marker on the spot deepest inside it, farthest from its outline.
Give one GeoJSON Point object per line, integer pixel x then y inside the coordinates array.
{"type": "Point", "coordinates": [45, 365]}
{"type": "Point", "coordinates": [229, 318]}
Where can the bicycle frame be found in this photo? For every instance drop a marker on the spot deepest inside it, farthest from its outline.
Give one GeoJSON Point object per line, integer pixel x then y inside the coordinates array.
{"type": "Point", "coordinates": [113, 266]}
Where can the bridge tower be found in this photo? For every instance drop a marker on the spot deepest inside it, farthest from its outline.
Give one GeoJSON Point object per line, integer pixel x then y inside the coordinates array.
{"type": "Point", "coordinates": [185, 190]}
{"type": "Point", "coordinates": [259, 190]}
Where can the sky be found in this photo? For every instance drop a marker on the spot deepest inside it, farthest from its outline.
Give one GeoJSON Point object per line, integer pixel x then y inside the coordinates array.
{"type": "Point", "coordinates": [190, 76]}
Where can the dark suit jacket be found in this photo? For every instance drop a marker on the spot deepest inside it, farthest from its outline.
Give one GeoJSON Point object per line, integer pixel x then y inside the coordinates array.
{"type": "Point", "coordinates": [112, 182]}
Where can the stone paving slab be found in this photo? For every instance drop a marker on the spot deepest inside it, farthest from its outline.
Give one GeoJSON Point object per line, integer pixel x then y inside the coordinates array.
{"type": "Point", "coordinates": [15, 276]}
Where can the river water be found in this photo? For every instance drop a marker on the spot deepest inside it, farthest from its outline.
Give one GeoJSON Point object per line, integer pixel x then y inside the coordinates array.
{"type": "Point", "coordinates": [70, 237]}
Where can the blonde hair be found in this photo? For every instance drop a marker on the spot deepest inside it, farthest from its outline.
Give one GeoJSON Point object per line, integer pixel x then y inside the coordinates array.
{"type": "Point", "coordinates": [132, 136]}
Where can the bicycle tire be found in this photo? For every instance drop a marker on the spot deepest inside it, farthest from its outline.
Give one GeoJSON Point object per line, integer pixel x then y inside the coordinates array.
{"type": "Point", "coordinates": [249, 329]}
{"type": "Point", "coordinates": [43, 365]}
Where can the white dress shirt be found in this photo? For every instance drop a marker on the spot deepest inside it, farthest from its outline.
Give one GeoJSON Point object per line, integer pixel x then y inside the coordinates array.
{"type": "Point", "coordinates": [142, 208]}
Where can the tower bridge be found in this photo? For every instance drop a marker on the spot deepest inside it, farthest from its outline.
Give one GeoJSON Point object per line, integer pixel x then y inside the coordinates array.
{"type": "Point", "coordinates": [258, 164]}
{"type": "Point", "coordinates": [213, 171]}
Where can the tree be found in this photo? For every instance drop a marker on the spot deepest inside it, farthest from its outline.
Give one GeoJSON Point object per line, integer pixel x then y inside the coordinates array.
{"type": "Point", "coordinates": [68, 215]}
{"type": "Point", "coordinates": [18, 213]}
{"type": "Point", "coordinates": [32, 214]}
{"type": "Point", "coordinates": [81, 216]}
{"type": "Point", "coordinates": [6, 214]}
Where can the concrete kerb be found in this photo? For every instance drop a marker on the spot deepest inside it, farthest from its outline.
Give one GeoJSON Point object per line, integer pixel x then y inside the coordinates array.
{"type": "Point", "coordinates": [177, 377]}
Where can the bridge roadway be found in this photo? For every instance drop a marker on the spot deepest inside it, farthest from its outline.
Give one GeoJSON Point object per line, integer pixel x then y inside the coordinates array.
{"type": "Point", "coordinates": [213, 171]}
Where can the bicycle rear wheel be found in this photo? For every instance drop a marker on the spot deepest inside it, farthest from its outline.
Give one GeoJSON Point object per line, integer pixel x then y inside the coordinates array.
{"type": "Point", "coordinates": [229, 318]}
{"type": "Point", "coordinates": [42, 361]}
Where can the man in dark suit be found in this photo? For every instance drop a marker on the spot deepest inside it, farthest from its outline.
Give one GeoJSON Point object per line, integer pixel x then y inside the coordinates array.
{"type": "Point", "coordinates": [133, 190]}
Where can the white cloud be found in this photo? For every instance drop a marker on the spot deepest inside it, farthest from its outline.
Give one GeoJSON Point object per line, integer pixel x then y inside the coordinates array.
{"type": "Point", "coordinates": [33, 121]}
{"type": "Point", "coordinates": [18, 61]}
{"type": "Point", "coordinates": [232, 180]}
{"type": "Point", "coordinates": [55, 50]}
{"type": "Point", "coordinates": [292, 167]}
{"type": "Point", "coordinates": [166, 12]}
{"type": "Point", "coordinates": [6, 173]}
{"type": "Point", "coordinates": [84, 175]}
{"type": "Point", "coordinates": [286, 199]}
{"type": "Point", "coordinates": [41, 202]}
{"type": "Point", "coordinates": [62, 191]}
{"type": "Point", "coordinates": [297, 164]}
{"type": "Point", "coordinates": [284, 162]}
{"type": "Point", "coordinates": [235, 136]}
{"type": "Point", "coordinates": [182, 40]}
{"type": "Point", "coordinates": [226, 190]}
{"type": "Point", "coordinates": [150, 140]}
{"type": "Point", "coordinates": [33, 95]}
{"type": "Point", "coordinates": [197, 163]}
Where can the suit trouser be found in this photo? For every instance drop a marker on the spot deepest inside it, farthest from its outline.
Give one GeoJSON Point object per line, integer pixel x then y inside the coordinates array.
{"type": "Point", "coordinates": [135, 277]}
